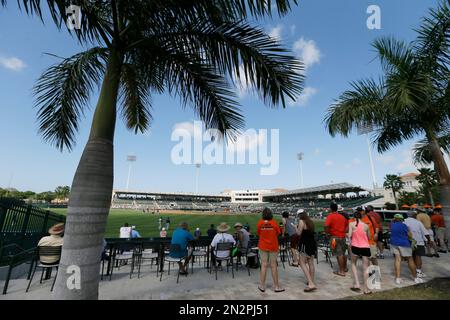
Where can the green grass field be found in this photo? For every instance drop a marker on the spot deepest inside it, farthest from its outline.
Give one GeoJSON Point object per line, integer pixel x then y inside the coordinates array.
{"type": "Point", "coordinates": [147, 223]}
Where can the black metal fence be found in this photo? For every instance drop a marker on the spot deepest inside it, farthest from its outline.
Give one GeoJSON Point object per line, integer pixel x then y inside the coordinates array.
{"type": "Point", "coordinates": [23, 224]}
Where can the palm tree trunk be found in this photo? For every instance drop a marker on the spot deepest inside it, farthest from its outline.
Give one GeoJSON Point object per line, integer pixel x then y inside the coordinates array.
{"type": "Point", "coordinates": [444, 180]}
{"type": "Point", "coordinates": [395, 199]}
{"type": "Point", "coordinates": [90, 198]}
{"type": "Point", "coordinates": [430, 193]}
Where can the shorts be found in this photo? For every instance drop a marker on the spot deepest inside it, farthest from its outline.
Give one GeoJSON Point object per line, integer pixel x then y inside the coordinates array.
{"type": "Point", "coordinates": [361, 252]}
{"type": "Point", "coordinates": [268, 256]}
{"type": "Point", "coordinates": [294, 241]}
{"type": "Point", "coordinates": [340, 248]}
{"type": "Point", "coordinates": [419, 251]}
{"type": "Point", "coordinates": [401, 251]}
{"type": "Point", "coordinates": [373, 251]}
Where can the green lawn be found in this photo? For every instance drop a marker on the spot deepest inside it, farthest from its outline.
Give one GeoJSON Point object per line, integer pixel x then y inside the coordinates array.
{"type": "Point", "coordinates": [436, 289]}
{"type": "Point", "coordinates": [147, 223]}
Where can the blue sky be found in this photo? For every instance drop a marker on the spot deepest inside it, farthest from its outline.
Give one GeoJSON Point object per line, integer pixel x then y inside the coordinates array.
{"type": "Point", "coordinates": [332, 38]}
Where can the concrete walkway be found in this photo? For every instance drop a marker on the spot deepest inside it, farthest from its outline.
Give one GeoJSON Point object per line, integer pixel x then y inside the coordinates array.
{"type": "Point", "coordinates": [202, 285]}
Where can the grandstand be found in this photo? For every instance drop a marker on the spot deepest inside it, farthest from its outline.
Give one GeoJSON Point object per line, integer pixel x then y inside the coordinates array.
{"type": "Point", "coordinates": [316, 200]}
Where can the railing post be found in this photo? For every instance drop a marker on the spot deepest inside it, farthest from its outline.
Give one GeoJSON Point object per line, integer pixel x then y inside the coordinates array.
{"type": "Point", "coordinates": [25, 225]}
{"type": "Point", "coordinates": [3, 211]}
{"type": "Point", "coordinates": [44, 226]}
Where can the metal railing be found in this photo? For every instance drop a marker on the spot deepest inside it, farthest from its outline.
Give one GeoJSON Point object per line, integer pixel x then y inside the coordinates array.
{"type": "Point", "coordinates": [23, 224]}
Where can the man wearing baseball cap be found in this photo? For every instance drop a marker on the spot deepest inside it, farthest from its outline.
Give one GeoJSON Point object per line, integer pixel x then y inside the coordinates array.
{"type": "Point", "coordinates": [401, 248]}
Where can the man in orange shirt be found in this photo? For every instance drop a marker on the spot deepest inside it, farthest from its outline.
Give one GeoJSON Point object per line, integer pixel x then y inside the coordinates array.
{"type": "Point", "coordinates": [439, 224]}
{"type": "Point", "coordinates": [336, 226]}
{"type": "Point", "coordinates": [376, 216]}
{"type": "Point", "coordinates": [268, 232]}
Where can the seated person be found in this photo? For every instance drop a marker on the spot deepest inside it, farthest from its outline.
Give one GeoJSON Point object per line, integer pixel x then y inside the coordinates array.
{"type": "Point", "coordinates": [220, 237]}
{"type": "Point", "coordinates": [211, 232]}
{"type": "Point", "coordinates": [125, 231]}
{"type": "Point", "coordinates": [53, 240]}
{"type": "Point", "coordinates": [134, 232]}
{"type": "Point", "coordinates": [242, 237]}
{"type": "Point", "coordinates": [182, 236]}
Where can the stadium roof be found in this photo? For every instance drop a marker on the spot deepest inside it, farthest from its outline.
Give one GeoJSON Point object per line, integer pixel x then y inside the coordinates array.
{"type": "Point", "coordinates": [325, 189]}
{"type": "Point", "coordinates": [181, 194]}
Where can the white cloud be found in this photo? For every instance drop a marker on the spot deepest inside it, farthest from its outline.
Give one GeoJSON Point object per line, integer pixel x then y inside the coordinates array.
{"type": "Point", "coordinates": [307, 52]}
{"type": "Point", "coordinates": [12, 63]}
{"type": "Point", "coordinates": [329, 163]}
{"type": "Point", "coordinates": [407, 161]}
{"type": "Point", "coordinates": [248, 140]}
{"type": "Point", "coordinates": [243, 85]}
{"type": "Point", "coordinates": [386, 159]}
{"type": "Point", "coordinates": [304, 97]}
{"type": "Point", "coordinates": [276, 32]}
{"type": "Point", "coordinates": [292, 29]}
{"type": "Point", "coordinates": [356, 162]}
{"type": "Point", "coordinates": [316, 151]}
{"type": "Point", "coordinates": [187, 127]}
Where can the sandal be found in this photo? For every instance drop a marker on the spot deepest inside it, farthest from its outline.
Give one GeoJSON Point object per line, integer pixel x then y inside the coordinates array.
{"type": "Point", "coordinates": [310, 289]}
{"type": "Point", "coordinates": [355, 289]}
{"type": "Point", "coordinates": [280, 290]}
{"type": "Point", "coordinates": [368, 292]}
{"type": "Point", "coordinates": [262, 290]}
{"type": "Point", "coordinates": [337, 273]}
{"type": "Point", "coordinates": [293, 264]}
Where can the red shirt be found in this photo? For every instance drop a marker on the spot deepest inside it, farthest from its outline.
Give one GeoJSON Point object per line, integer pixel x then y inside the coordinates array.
{"type": "Point", "coordinates": [377, 217]}
{"type": "Point", "coordinates": [268, 231]}
{"type": "Point", "coordinates": [438, 220]}
{"type": "Point", "coordinates": [337, 225]}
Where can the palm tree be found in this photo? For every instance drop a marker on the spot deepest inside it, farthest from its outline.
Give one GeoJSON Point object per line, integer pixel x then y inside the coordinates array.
{"type": "Point", "coordinates": [428, 179]}
{"type": "Point", "coordinates": [411, 99]}
{"type": "Point", "coordinates": [394, 183]}
{"type": "Point", "coordinates": [62, 192]}
{"type": "Point", "coordinates": [193, 49]}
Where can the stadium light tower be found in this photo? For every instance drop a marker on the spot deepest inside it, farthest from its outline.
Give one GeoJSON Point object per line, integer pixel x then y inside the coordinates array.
{"type": "Point", "coordinates": [366, 128]}
{"type": "Point", "coordinates": [197, 172]}
{"type": "Point", "coordinates": [130, 159]}
{"type": "Point", "coordinates": [300, 158]}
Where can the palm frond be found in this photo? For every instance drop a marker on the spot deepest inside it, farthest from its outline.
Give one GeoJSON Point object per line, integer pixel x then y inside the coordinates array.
{"type": "Point", "coordinates": [363, 104]}
{"type": "Point", "coordinates": [433, 41]}
{"type": "Point", "coordinates": [422, 149]}
{"type": "Point", "coordinates": [198, 85]}
{"type": "Point", "coordinates": [235, 46]}
{"type": "Point", "coordinates": [395, 55]}
{"type": "Point", "coordinates": [62, 94]}
{"type": "Point", "coordinates": [207, 92]}
{"type": "Point", "coordinates": [393, 132]}
{"type": "Point", "coordinates": [135, 99]}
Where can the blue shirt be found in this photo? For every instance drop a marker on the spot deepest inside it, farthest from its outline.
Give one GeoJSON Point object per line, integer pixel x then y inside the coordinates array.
{"type": "Point", "coordinates": [181, 237]}
{"type": "Point", "coordinates": [399, 234]}
{"type": "Point", "coordinates": [135, 234]}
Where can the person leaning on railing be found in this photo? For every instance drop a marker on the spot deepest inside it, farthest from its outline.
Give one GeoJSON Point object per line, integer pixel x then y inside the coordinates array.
{"type": "Point", "coordinates": [55, 239]}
